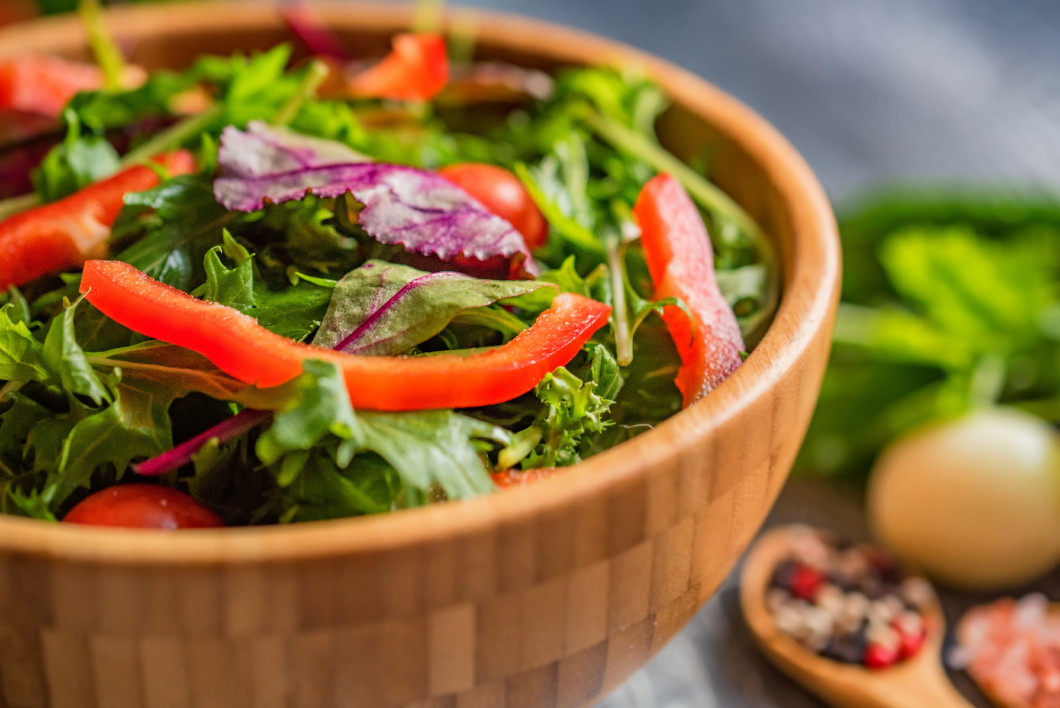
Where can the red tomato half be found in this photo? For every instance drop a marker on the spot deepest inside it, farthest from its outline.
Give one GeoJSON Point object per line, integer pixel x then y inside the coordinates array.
{"type": "Point", "coordinates": [143, 506]}
{"type": "Point", "coordinates": [502, 193]}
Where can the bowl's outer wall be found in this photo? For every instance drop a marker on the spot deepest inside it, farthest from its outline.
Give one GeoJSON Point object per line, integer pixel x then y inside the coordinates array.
{"type": "Point", "coordinates": [552, 595]}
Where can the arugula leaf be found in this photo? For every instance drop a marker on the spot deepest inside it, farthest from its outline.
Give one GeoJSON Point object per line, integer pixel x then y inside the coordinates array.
{"type": "Point", "coordinates": [21, 355]}
{"type": "Point", "coordinates": [312, 235]}
{"type": "Point", "coordinates": [233, 287]}
{"type": "Point", "coordinates": [384, 308]}
{"type": "Point", "coordinates": [293, 311]}
{"type": "Point", "coordinates": [322, 407]}
{"type": "Point", "coordinates": [176, 224]}
{"type": "Point", "coordinates": [76, 162]}
{"type": "Point", "coordinates": [134, 425]}
{"type": "Point", "coordinates": [425, 448]}
{"type": "Point", "coordinates": [62, 354]}
{"type": "Point", "coordinates": [324, 491]}
{"type": "Point", "coordinates": [429, 448]}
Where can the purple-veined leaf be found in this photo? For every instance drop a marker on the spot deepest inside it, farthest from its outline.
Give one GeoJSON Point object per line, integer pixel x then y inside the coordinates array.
{"type": "Point", "coordinates": [386, 309]}
{"type": "Point", "coordinates": [414, 208]}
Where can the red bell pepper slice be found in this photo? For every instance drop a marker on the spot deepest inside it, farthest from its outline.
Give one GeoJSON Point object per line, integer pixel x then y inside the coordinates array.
{"type": "Point", "coordinates": [681, 263]}
{"type": "Point", "coordinates": [416, 69]}
{"type": "Point", "coordinates": [241, 347]}
{"type": "Point", "coordinates": [66, 233]}
{"type": "Point", "coordinates": [38, 83]}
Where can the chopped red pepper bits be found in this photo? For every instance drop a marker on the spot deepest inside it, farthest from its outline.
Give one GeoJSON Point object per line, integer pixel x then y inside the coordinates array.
{"type": "Point", "coordinates": [64, 234]}
{"type": "Point", "coordinates": [416, 69]}
{"type": "Point", "coordinates": [681, 261]}
{"type": "Point", "coordinates": [506, 479]}
{"type": "Point", "coordinates": [241, 347]}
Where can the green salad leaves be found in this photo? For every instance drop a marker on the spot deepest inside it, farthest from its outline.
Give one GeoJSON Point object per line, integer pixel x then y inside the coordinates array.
{"type": "Point", "coordinates": [949, 301]}
{"type": "Point", "coordinates": [83, 400]}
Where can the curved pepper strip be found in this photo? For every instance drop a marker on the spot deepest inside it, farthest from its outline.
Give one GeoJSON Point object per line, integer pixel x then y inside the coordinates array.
{"type": "Point", "coordinates": [681, 262]}
{"type": "Point", "coordinates": [245, 350]}
{"type": "Point", "coordinates": [416, 69]}
{"type": "Point", "coordinates": [38, 83]}
{"type": "Point", "coordinates": [65, 233]}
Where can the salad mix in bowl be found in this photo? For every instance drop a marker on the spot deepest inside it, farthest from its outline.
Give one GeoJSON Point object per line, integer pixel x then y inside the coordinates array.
{"type": "Point", "coordinates": [261, 290]}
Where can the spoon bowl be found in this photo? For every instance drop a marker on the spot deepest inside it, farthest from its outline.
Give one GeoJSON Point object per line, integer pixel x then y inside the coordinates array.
{"type": "Point", "coordinates": [917, 681]}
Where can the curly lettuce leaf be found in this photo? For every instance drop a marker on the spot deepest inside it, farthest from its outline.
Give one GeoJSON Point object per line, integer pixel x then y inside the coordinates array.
{"type": "Point", "coordinates": [293, 310]}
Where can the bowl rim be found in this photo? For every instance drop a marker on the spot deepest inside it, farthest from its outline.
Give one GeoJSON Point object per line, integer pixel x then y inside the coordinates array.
{"type": "Point", "coordinates": [809, 292]}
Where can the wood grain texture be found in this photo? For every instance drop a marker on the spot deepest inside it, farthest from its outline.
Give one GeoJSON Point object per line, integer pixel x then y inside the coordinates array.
{"type": "Point", "coordinates": [548, 595]}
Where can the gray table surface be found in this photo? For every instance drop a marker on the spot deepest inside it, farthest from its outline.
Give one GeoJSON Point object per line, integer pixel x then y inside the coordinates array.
{"type": "Point", "coordinates": [871, 92]}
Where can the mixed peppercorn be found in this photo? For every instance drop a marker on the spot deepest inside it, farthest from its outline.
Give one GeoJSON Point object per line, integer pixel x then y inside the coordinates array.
{"type": "Point", "coordinates": [848, 602]}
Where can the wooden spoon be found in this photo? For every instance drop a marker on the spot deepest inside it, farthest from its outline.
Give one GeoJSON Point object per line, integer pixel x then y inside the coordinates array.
{"type": "Point", "coordinates": [917, 681]}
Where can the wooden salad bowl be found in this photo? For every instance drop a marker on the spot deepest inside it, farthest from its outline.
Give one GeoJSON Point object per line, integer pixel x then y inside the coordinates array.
{"type": "Point", "coordinates": [550, 595]}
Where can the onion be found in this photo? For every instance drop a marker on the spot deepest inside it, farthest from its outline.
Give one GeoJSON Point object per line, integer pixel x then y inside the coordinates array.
{"type": "Point", "coordinates": [974, 502]}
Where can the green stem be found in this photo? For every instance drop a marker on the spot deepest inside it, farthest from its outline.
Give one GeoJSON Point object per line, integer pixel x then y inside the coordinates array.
{"type": "Point", "coordinates": [316, 73]}
{"type": "Point", "coordinates": [988, 381]}
{"type": "Point", "coordinates": [9, 388]}
{"type": "Point", "coordinates": [619, 311]}
{"type": "Point", "coordinates": [709, 197]}
{"type": "Point", "coordinates": [15, 205]}
{"type": "Point", "coordinates": [499, 319]}
{"type": "Point", "coordinates": [108, 56]}
{"type": "Point", "coordinates": [522, 444]}
{"type": "Point", "coordinates": [132, 349]}
{"type": "Point", "coordinates": [172, 137]}
{"type": "Point", "coordinates": [427, 15]}
{"type": "Point", "coordinates": [574, 232]}
{"type": "Point", "coordinates": [463, 35]}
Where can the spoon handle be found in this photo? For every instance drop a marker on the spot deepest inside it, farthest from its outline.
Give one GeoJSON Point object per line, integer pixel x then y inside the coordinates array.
{"type": "Point", "coordinates": [926, 686]}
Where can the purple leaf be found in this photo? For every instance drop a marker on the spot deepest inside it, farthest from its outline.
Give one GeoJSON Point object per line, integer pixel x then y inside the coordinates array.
{"type": "Point", "coordinates": [417, 209]}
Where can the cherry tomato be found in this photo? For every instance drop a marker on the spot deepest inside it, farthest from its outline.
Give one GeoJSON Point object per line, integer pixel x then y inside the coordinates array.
{"type": "Point", "coordinates": [143, 506]}
{"type": "Point", "coordinates": [502, 193]}
{"type": "Point", "coordinates": [507, 479]}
